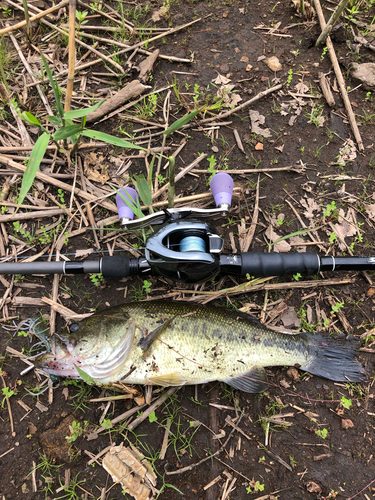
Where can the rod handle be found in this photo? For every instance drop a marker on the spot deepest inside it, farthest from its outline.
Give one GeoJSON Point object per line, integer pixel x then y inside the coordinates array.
{"type": "Point", "coordinates": [279, 264]}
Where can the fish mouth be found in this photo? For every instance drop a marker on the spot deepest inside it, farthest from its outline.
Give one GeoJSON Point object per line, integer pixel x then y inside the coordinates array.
{"type": "Point", "coordinates": [61, 367]}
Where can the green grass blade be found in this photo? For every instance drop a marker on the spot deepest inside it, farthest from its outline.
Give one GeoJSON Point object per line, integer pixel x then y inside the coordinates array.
{"type": "Point", "coordinates": [171, 190]}
{"type": "Point", "coordinates": [297, 233]}
{"type": "Point", "coordinates": [54, 85]}
{"type": "Point", "coordinates": [110, 139]}
{"type": "Point", "coordinates": [181, 122]}
{"type": "Point", "coordinates": [143, 189]}
{"type": "Point", "coordinates": [55, 120]}
{"type": "Point", "coordinates": [85, 376]}
{"type": "Point", "coordinates": [36, 157]}
{"type": "Point", "coordinates": [65, 132]}
{"type": "Point", "coordinates": [30, 118]}
{"type": "Point", "coordinates": [79, 113]}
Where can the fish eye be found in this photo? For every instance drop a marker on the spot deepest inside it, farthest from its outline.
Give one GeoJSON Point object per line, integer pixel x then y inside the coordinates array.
{"type": "Point", "coordinates": [74, 327]}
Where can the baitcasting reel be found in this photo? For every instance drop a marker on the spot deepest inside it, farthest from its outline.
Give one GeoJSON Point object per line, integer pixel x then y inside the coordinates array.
{"type": "Point", "coordinates": [184, 249]}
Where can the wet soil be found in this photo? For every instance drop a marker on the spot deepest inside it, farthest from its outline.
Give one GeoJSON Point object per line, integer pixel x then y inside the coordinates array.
{"type": "Point", "coordinates": [297, 440]}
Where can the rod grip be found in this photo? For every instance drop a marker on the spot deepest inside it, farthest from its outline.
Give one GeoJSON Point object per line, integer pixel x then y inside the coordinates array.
{"type": "Point", "coordinates": [279, 264]}
{"type": "Point", "coordinates": [116, 266]}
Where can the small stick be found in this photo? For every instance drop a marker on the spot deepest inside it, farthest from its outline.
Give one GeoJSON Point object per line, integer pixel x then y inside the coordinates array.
{"type": "Point", "coordinates": [238, 140]}
{"type": "Point", "coordinates": [166, 120]}
{"type": "Point", "coordinates": [64, 311]}
{"type": "Point", "coordinates": [331, 21]}
{"type": "Point", "coordinates": [130, 48]}
{"type": "Point", "coordinates": [193, 466]}
{"type": "Point", "coordinates": [251, 230]}
{"type": "Point", "coordinates": [326, 89]}
{"type": "Point", "coordinates": [178, 176]}
{"type": "Point", "coordinates": [26, 140]}
{"type": "Point", "coordinates": [88, 206]}
{"type": "Point", "coordinates": [139, 50]}
{"type": "Point", "coordinates": [88, 47]}
{"type": "Point", "coordinates": [9, 409]}
{"type": "Point", "coordinates": [31, 215]}
{"type": "Point", "coordinates": [262, 286]}
{"type": "Point", "coordinates": [21, 24]}
{"type": "Point", "coordinates": [104, 14]}
{"type": "Point", "coordinates": [171, 182]}
{"type": "Point", "coordinates": [27, 147]}
{"type": "Point", "coordinates": [28, 24]}
{"type": "Point", "coordinates": [242, 106]}
{"type": "Point", "coordinates": [152, 408]}
{"type": "Point", "coordinates": [72, 55]}
{"type": "Point", "coordinates": [165, 439]}
{"type": "Point", "coordinates": [297, 168]}
{"type": "Point", "coordinates": [30, 71]}
{"type": "Point", "coordinates": [43, 177]}
{"type": "Point", "coordinates": [340, 79]}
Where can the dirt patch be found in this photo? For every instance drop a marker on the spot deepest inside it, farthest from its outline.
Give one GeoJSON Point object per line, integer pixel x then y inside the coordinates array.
{"type": "Point", "coordinates": [305, 437]}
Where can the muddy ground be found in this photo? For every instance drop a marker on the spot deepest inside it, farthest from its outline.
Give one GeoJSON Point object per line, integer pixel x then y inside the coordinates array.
{"type": "Point", "coordinates": [305, 437]}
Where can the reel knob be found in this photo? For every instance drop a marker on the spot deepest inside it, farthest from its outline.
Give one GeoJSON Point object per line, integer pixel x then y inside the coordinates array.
{"type": "Point", "coordinates": [222, 188]}
{"type": "Point", "coordinates": [125, 213]}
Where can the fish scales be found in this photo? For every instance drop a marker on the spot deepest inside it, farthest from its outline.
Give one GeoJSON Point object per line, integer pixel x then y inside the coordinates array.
{"type": "Point", "coordinates": [176, 343]}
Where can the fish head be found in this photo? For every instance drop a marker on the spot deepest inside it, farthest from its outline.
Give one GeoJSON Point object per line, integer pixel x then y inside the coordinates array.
{"type": "Point", "coordinates": [95, 345]}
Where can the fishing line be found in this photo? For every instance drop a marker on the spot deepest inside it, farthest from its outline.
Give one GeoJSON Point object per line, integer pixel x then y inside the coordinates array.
{"type": "Point", "coordinates": [74, 254]}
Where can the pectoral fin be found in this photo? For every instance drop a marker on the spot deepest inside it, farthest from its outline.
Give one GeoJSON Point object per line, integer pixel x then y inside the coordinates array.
{"type": "Point", "coordinates": [146, 342]}
{"type": "Point", "coordinates": [168, 379]}
{"type": "Point", "coordinates": [254, 381]}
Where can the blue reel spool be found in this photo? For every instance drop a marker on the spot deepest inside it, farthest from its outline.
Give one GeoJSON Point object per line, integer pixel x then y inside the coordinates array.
{"type": "Point", "coordinates": [192, 244]}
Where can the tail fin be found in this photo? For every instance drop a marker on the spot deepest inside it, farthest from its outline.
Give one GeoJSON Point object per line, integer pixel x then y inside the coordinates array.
{"type": "Point", "coordinates": [334, 358]}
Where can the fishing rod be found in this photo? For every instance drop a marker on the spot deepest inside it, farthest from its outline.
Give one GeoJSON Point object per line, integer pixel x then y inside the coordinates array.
{"type": "Point", "coordinates": [188, 250]}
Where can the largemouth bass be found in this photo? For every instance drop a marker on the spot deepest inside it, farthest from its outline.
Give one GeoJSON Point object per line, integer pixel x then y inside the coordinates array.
{"type": "Point", "coordinates": [177, 343]}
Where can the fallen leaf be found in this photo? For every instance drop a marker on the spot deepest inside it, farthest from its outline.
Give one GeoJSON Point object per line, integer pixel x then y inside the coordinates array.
{"type": "Point", "coordinates": [313, 487]}
{"type": "Point", "coordinates": [290, 319]}
{"type": "Point", "coordinates": [301, 88]}
{"type": "Point", "coordinates": [249, 67]}
{"type": "Point", "coordinates": [311, 206]}
{"type": "Point", "coordinates": [293, 373]}
{"type": "Point", "coordinates": [162, 12]}
{"type": "Point", "coordinates": [292, 119]}
{"type": "Point", "coordinates": [244, 59]}
{"type": "Point", "coordinates": [345, 227]}
{"type": "Point", "coordinates": [256, 121]}
{"type": "Point", "coordinates": [280, 148]}
{"type": "Point", "coordinates": [221, 80]}
{"type": "Point", "coordinates": [237, 50]}
{"type": "Point", "coordinates": [284, 383]}
{"type": "Point", "coordinates": [94, 175]}
{"type": "Point", "coordinates": [348, 152]}
{"type": "Point", "coordinates": [370, 209]}
{"type": "Point", "coordinates": [259, 146]}
{"type": "Point", "coordinates": [365, 73]}
{"type": "Point", "coordinates": [273, 63]}
{"type": "Point", "coordinates": [346, 423]}
{"type": "Point", "coordinates": [281, 246]}
{"type": "Point", "coordinates": [298, 243]}
{"type": "Point", "coordinates": [32, 429]}
{"type": "Point", "coordinates": [309, 9]}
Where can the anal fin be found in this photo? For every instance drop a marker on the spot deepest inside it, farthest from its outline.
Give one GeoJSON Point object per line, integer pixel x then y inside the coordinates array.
{"type": "Point", "coordinates": [253, 381]}
{"type": "Point", "coordinates": [168, 379]}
